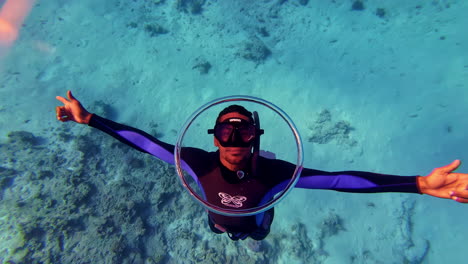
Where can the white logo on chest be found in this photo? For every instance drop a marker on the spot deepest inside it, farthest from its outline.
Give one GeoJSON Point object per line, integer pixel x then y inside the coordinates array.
{"type": "Point", "coordinates": [232, 201]}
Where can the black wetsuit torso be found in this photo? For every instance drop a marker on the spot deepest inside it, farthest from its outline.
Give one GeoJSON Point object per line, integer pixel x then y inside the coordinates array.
{"type": "Point", "coordinates": [223, 188]}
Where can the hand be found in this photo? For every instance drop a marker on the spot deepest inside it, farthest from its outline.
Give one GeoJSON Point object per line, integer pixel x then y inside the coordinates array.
{"type": "Point", "coordinates": [444, 183]}
{"type": "Point", "coordinates": [72, 110]}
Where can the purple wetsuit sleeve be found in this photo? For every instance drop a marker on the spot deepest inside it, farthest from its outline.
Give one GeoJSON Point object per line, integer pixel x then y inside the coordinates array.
{"type": "Point", "coordinates": [144, 142]}
{"type": "Point", "coordinates": [135, 138]}
{"type": "Point", "coordinates": [357, 182]}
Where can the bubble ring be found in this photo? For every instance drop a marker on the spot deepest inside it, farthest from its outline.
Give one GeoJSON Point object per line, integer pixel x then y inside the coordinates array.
{"type": "Point", "coordinates": [239, 212]}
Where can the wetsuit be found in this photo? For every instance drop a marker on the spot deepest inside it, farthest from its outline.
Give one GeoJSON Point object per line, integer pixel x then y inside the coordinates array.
{"type": "Point", "coordinates": [223, 188]}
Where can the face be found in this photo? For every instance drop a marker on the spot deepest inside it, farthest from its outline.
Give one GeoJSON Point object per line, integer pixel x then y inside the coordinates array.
{"type": "Point", "coordinates": [233, 157]}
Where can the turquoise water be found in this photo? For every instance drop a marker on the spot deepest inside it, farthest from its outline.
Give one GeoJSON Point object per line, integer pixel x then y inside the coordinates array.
{"type": "Point", "coordinates": [394, 72]}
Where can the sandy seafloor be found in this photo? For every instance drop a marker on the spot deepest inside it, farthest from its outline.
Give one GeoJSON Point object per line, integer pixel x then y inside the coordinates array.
{"type": "Point", "coordinates": [386, 93]}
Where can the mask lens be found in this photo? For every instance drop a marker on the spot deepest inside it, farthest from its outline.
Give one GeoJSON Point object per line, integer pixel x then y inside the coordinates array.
{"type": "Point", "coordinates": [223, 131]}
{"type": "Point", "coordinates": [235, 134]}
{"type": "Point", "coordinates": [247, 132]}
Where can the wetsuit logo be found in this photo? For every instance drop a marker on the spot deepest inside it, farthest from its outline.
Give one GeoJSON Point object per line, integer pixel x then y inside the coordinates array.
{"type": "Point", "coordinates": [232, 201]}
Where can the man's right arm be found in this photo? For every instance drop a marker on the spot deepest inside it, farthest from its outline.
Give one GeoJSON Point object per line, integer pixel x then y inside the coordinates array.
{"type": "Point", "coordinates": [193, 159]}
{"type": "Point", "coordinates": [134, 138]}
{"type": "Point", "coordinates": [73, 110]}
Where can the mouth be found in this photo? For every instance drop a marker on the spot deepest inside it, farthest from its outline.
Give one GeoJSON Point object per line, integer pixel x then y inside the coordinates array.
{"type": "Point", "coordinates": [236, 151]}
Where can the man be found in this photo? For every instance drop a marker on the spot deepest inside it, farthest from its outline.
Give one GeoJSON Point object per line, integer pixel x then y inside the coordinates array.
{"type": "Point", "coordinates": [228, 179]}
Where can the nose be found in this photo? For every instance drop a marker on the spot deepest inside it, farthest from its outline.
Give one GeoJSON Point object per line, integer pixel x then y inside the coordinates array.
{"type": "Point", "coordinates": [233, 135]}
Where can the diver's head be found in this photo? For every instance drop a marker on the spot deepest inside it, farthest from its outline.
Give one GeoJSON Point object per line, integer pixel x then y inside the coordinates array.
{"type": "Point", "coordinates": [234, 128]}
{"type": "Point", "coordinates": [234, 135]}
{"type": "Point", "coordinates": [238, 109]}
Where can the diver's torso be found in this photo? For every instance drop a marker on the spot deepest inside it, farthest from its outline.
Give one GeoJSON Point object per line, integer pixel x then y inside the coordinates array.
{"type": "Point", "coordinates": [224, 189]}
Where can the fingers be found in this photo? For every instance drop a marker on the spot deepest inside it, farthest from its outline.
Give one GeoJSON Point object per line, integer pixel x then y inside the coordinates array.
{"type": "Point", "coordinates": [58, 110]}
{"type": "Point", "coordinates": [459, 199]}
{"type": "Point", "coordinates": [61, 99]}
{"type": "Point", "coordinates": [460, 196]}
{"type": "Point", "coordinates": [61, 114]}
{"type": "Point", "coordinates": [64, 119]}
{"type": "Point", "coordinates": [70, 95]}
{"type": "Point", "coordinates": [451, 167]}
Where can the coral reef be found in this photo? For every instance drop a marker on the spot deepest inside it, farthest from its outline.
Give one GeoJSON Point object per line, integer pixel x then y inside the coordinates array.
{"type": "Point", "coordinates": [255, 50]}
{"type": "Point", "coordinates": [194, 7]}
{"type": "Point", "coordinates": [380, 12]}
{"type": "Point", "coordinates": [202, 65]}
{"type": "Point", "coordinates": [24, 139]}
{"type": "Point", "coordinates": [155, 29]}
{"type": "Point", "coordinates": [414, 251]}
{"type": "Point", "coordinates": [303, 247]}
{"type": "Point", "coordinates": [357, 6]}
{"type": "Point", "coordinates": [87, 198]}
{"type": "Point", "coordinates": [63, 201]}
{"type": "Point", "coordinates": [324, 130]}
{"type": "Point", "coordinates": [331, 225]}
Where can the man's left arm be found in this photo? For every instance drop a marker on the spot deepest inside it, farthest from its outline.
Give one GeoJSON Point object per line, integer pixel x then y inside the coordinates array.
{"type": "Point", "coordinates": [441, 182]}
{"type": "Point", "coordinates": [357, 181]}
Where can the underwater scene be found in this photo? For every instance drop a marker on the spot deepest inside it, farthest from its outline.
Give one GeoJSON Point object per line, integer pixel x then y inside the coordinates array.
{"type": "Point", "coordinates": [374, 88]}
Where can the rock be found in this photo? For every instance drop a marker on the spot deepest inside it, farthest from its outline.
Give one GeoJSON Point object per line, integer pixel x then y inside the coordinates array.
{"type": "Point", "coordinates": [202, 66]}
{"type": "Point", "coordinates": [323, 131]}
{"type": "Point", "coordinates": [255, 50]}
{"type": "Point", "coordinates": [6, 178]}
{"type": "Point", "coordinates": [331, 225]}
{"type": "Point", "coordinates": [357, 6]}
{"type": "Point", "coordinates": [155, 30]}
{"type": "Point", "coordinates": [27, 139]}
{"type": "Point", "coordinates": [380, 12]}
{"type": "Point", "coordinates": [194, 7]}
